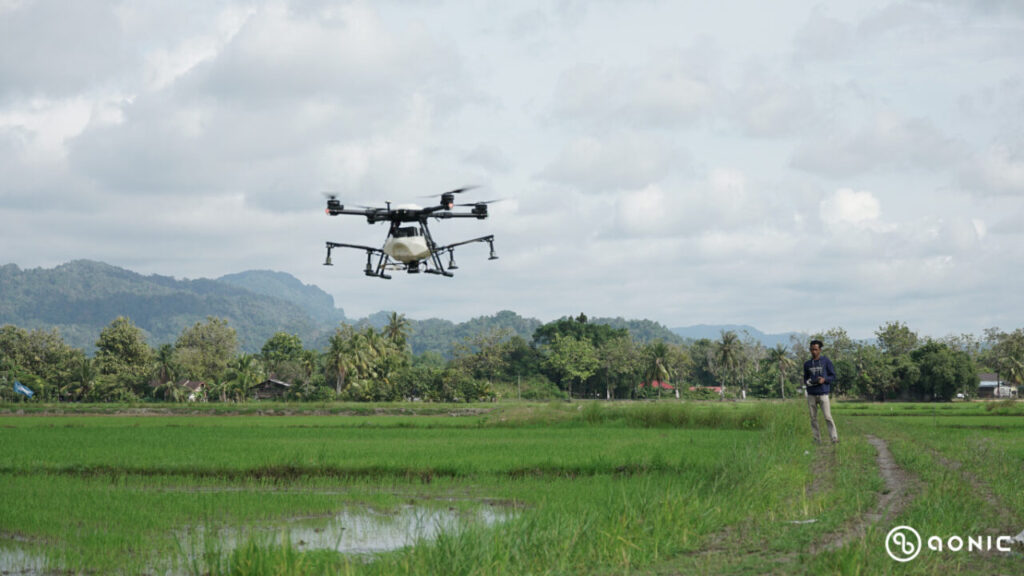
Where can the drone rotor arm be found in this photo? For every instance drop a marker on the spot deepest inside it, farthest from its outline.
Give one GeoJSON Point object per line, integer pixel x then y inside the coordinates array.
{"type": "Point", "coordinates": [369, 249]}
{"type": "Point", "coordinates": [448, 247]}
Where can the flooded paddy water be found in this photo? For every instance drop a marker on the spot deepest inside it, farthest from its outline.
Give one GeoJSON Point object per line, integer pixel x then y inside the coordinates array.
{"type": "Point", "coordinates": [357, 531]}
{"type": "Point", "coordinates": [354, 530]}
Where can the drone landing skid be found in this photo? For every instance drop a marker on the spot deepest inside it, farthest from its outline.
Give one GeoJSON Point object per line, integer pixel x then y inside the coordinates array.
{"type": "Point", "coordinates": [430, 265]}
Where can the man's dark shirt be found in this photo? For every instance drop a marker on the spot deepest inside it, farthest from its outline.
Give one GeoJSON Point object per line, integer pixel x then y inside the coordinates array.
{"type": "Point", "coordinates": [820, 367]}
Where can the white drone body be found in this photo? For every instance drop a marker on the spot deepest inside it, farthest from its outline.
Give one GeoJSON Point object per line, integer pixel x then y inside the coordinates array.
{"type": "Point", "coordinates": [407, 245]}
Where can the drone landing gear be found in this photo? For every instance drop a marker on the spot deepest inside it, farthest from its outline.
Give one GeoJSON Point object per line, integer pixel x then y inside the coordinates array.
{"type": "Point", "coordinates": [440, 273]}
{"type": "Point", "coordinates": [431, 265]}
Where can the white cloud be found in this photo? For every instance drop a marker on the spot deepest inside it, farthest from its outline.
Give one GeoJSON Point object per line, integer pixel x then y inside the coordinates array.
{"type": "Point", "coordinates": [615, 161]}
{"type": "Point", "coordinates": [58, 49]}
{"type": "Point", "coordinates": [672, 89]}
{"type": "Point", "coordinates": [48, 124]}
{"type": "Point", "coordinates": [998, 170]}
{"type": "Point", "coordinates": [767, 104]}
{"type": "Point", "coordinates": [721, 202]}
{"type": "Point", "coordinates": [823, 37]}
{"type": "Point", "coordinates": [886, 141]}
{"type": "Point", "coordinates": [847, 206]}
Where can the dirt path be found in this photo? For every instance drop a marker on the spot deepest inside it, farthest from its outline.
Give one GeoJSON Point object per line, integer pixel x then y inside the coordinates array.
{"type": "Point", "coordinates": [894, 497]}
{"type": "Point", "coordinates": [897, 494]}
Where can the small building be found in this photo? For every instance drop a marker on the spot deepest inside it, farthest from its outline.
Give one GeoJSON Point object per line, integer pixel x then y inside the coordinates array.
{"type": "Point", "coordinates": [196, 390]}
{"type": "Point", "coordinates": [271, 389]}
{"type": "Point", "coordinates": [992, 386]}
{"type": "Point", "coordinates": [190, 390]}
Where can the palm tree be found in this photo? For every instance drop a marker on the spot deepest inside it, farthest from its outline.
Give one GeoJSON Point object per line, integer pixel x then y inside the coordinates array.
{"type": "Point", "coordinates": [219, 388]}
{"type": "Point", "coordinates": [83, 379]}
{"type": "Point", "coordinates": [779, 357]}
{"type": "Point", "coordinates": [728, 352]}
{"type": "Point", "coordinates": [308, 362]}
{"type": "Point", "coordinates": [335, 359]}
{"type": "Point", "coordinates": [397, 329]}
{"type": "Point", "coordinates": [164, 368]}
{"type": "Point", "coordinates": [172, 391]}
{"type": "Point", "coordinates": [244, 375]}
{"type": "Point", "coordinates": [656, 369]}
{"type": "Point", "coordinates": [1015, 373]}
{"type": "Point", "coordinates": [351, 355]}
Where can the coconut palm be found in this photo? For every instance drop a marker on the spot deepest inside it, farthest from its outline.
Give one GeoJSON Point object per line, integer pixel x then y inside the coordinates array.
{"type": "Point", "coordinates": [244, 374]}
{"type": "Point", "coordinates": [397, 329]}
{"type": "Point", "coordinates": [350, 356]}
{"type": "Point", "coordinates": [172, 391]}
{"type": "Point", "coordinates": [82, 380]}
{"type": "Point", "coordinates": [1015, 371]}
{"type": "Point", "coordinates": [656, 369]}
{"type": "Point", "coordinates": [728, 353]}
{"type": "Point", "coordinates": [780, 358]}
{"type": "Point", "coordinates": [164, 368]}
{"type": "Point", "coordinates": [308, 362]}
{"type": "Point", "coordinates": [219, 388]}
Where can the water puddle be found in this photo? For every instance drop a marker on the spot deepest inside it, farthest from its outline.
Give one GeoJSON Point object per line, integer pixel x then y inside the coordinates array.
{"type": "Point", "coordinates": [357, 531]}
{"type": "Point", "coordinates": [14, 560]}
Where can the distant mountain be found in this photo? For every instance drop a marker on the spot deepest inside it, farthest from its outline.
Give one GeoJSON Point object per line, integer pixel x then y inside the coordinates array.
{"type": "Point", "coordinates": [643, 331]}
{"type": "Point", "coordinates": [317, 303]}
{"type": "Point", "coordinates": [82, 297]}
{"type": "Point", "coordinates": [714, 332]}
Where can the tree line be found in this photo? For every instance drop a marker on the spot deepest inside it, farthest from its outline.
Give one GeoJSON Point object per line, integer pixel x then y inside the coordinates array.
{"type": "Point", "coordinates": [568, 358]}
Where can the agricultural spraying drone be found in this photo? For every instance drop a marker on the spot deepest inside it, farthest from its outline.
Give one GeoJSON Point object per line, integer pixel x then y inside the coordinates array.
{"type": "Point", "coordinates": [409, 245]}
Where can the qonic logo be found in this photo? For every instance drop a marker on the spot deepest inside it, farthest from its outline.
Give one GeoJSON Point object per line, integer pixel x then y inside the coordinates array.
{"type": "Point", "coordinates": [903, 543]}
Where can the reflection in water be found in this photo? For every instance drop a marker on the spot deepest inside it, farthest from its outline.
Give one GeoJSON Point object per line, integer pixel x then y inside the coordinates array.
{"type": "Point", "coordinates": [15, 560]}
{"type": "Point", "coordinates": [357, 530]}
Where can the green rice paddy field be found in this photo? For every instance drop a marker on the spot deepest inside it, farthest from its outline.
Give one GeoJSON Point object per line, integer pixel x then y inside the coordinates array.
{"type": "Point", "coordinates": [580, 488]}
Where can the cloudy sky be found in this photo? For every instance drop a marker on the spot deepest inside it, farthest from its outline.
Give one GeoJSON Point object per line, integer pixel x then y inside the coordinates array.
{"type": "Point", "coordinates": [792, 165]}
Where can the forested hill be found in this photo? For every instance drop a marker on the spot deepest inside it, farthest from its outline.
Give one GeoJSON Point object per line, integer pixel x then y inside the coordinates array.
{"type": "Point", "coordinates": [81, 297]}
{"type": "Point", "coordinates": [317, 303]}
{"type": "Point", "coordinates": [714, 332]}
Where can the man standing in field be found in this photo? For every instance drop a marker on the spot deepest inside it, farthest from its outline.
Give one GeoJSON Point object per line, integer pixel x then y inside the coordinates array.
{"type": "Point", "coordinates": [819, 374]}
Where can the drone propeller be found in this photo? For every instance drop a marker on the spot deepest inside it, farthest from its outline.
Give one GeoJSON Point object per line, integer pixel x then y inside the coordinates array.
{"type": "Point", "coordinates": [456, 191]}
{"type": "Point", "coordinates": [483, 202]}
{"type": "Point", "coordinates": [334, 196]}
